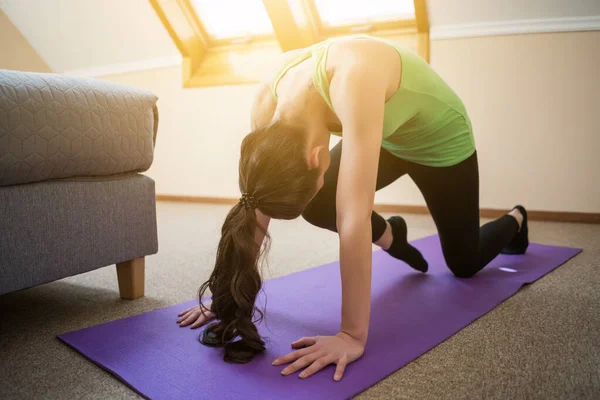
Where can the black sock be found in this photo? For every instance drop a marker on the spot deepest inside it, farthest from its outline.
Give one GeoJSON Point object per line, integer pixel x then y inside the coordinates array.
{"type": "Point", "coordinates": [519, 244]}
{"type": "Point", "coordinates": [401, 249]}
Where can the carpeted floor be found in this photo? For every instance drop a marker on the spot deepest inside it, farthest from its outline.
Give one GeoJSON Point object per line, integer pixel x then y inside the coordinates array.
{"type": "Point", "coordinates": [543, 343]}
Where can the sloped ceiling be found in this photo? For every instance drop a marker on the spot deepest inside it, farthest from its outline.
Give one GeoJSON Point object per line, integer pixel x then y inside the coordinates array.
{"type": "Point", "coordinates": [77, 35]}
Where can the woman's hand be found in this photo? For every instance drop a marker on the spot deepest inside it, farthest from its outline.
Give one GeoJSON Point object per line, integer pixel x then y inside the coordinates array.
{"type": "Point", "coordinates": [196, 316]}
{"type": "Point", "coordinates": [320, 351]}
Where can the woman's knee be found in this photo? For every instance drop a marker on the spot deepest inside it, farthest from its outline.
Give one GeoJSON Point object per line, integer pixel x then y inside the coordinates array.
{"type": "Point", "coordinates": [463, 272]}
{"type": "Point", "coordinates": [463, 267]}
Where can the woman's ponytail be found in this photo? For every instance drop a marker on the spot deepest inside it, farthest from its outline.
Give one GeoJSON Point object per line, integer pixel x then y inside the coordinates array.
{"type": "Point", "coordinates": [275, 178]}
{"type": "Point", "coordinates": [234, 284]}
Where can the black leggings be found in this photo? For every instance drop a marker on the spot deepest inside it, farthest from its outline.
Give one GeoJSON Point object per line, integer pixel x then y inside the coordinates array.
{"type": "Point", "coordinates": [452, 196]}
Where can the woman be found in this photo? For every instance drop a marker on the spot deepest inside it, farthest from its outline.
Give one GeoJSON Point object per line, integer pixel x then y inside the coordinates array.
{"type": "Point", "coordinates": [396, 117]}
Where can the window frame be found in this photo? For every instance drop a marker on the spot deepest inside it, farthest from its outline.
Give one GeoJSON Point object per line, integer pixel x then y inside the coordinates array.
{"type": "Point", "coordinates": [207, 61]}
{"type": "Point", "coordinates": [226, 41]}
{"type": "Point", "coordinates": [384, 28]}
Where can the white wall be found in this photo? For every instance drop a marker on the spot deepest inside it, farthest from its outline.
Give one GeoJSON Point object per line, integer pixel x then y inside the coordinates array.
{"type": "Point", "coordinates": [15, 52]}
{"type": "Point", "coordinates": [456, 12]}
{"type": "Point", "coordinates": [76, 35]}
{"type": "Point", "coordinates": [91, 37]}
{"type": "Point", "coordinates": [199, 135]}
{"type": "Point", "coordinates": [533, 100]}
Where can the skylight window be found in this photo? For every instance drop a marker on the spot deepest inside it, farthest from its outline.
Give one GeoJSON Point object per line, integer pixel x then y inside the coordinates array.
{"type": "Point", "coordinates": [226, 19]}
{"type": "Point", "coordinates": [351, 12]}
{"type": "Point", "coordinates": [228, 42]}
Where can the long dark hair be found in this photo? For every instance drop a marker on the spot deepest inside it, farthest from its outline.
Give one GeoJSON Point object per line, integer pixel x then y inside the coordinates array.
{"type": "Point", "coordinates": [273, 170]}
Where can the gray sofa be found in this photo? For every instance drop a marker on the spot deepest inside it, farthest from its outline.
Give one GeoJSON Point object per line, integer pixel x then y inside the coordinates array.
{"type": "Point", "coordinates": [72, 198]}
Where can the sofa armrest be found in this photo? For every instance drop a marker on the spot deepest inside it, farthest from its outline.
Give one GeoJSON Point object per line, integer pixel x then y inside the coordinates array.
{"type": "Point", "coordinates": [55, 126]}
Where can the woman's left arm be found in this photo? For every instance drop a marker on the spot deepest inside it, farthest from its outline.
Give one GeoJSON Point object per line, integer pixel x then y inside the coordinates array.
{"type": "Point", "coordinates": [358, 97]}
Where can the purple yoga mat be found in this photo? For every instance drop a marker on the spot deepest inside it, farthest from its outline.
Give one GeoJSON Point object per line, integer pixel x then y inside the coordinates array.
{"type": "Point", "coordinates": [411, 313]}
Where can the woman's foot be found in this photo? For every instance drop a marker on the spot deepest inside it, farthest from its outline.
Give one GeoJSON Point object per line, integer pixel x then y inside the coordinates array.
{"type": "Point", "coordinates": [401, 249]}
{"type": "Point", "coordinates": [520, 242]}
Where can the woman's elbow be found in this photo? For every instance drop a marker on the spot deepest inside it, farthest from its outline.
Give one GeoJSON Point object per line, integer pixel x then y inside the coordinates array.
{"type": "Point", "coordinates": [349, 220]}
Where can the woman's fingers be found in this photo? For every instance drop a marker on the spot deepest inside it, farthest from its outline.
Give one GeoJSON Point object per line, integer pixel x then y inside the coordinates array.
{"type": "Point", "coordinates": [191, 318]}
{"type": "Point", "coordinates": [293, 356]}
{"type": "Point", "coordinates": [318, 365]}
{"type": "Point", "coordinates": [198, 323]}
{"type": "Point", "coordinates": [301, 363]}
{"type": "Point", "coordinates": [184, 316]}
{"type": "Point", "coordinates": [186, 311]}
{"type": "Point", "coordinates": [195, 308]}
{"type": "Point", "coordinates": [305, 341]}
{"type": "Point", "coordinates": [340, 368]}
{"type": "Point", "coordinates": [202, 320]}
{"type": "Point", "coordinates": [196, 316]}
{"type": "Point", "coordinates": [181, 314]}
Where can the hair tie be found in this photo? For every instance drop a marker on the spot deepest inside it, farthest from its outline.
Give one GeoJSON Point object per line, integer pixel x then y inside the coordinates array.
{"type": "Point", "coordinates": [248, 201]}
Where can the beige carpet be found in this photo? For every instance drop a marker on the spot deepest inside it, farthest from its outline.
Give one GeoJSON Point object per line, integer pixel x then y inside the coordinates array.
{"type": "Point", "coordinates": [543, 343]}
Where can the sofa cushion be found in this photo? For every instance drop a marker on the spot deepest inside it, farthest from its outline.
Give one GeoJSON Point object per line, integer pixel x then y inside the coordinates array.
{"type": "Point", "coordinates": [54, 229]}
{"type": "Point", "coordinates": [56, 126]}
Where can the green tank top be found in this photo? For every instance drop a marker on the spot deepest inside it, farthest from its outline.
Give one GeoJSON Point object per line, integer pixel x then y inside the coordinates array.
{"type": "Point", "coordinates": [425, 122]}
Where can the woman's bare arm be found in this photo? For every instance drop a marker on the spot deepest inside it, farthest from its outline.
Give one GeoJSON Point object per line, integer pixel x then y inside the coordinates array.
{"type": "Point", "coordinates": [358, 97]}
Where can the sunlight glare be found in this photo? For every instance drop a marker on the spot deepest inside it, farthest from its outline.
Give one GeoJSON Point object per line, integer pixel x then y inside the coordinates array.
{"type": "Point", "coordinates": [233, 18]}
{"type": "Point", "coordinates": [347, 12]}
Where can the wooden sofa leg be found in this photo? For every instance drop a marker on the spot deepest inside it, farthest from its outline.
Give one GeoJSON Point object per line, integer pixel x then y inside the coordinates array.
{"type": "Point", "coordinates": [131, 278]}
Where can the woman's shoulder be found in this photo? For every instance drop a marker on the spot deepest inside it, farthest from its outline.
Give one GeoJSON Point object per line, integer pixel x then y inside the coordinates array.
{"type": "Point", "coordinates": [346, 52]}
{"type": "Point", "coordinates": [369, 57]}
